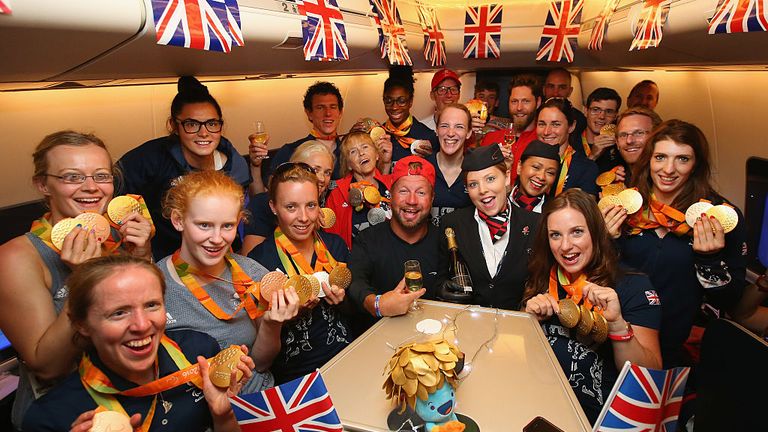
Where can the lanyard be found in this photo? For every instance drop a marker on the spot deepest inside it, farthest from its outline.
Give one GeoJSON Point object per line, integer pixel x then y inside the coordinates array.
{"type": "Point", "coordinates": [323, 261]}
{"type": "Point", "coordinates": [565, 163]}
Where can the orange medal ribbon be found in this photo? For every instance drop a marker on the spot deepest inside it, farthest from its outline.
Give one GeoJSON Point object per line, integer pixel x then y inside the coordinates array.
{"type": "Point", "coordinates": [587, 148]}
{"type": "Point", "coordinates": [245, 288]}
{"type": "Point", "coordinates": [565, 164]}
{"type": "Point", "coordinates": [401, 131]}
{"type": "Point", "coordinates": [315, 133]}
{"type": "Point", "coordinates": [574, 290]}
{"type": "Point", "coordinates": [665, 216]}
{"type": "Point", "coordinates": [323, 261]}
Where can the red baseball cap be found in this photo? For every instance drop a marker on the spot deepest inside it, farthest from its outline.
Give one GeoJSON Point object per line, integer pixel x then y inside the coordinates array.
{"type": "Point", "coordinates": [442, 75]}
{"type": "Point", "coordinates": [415, 166]}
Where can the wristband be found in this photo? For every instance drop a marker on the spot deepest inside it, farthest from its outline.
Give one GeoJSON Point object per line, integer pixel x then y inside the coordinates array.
{"type": "Point", "coordinates": [623, 337]}
{"type": "Point", "coordinates": [376, 306]}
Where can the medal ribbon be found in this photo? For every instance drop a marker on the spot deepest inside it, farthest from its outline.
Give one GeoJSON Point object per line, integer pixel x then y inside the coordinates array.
{"type": "Point", "coordinates": [324, 260]}
{"type": "Point", "coordinates": [587, 148]}
{"type": "Point", "coordinates": [401, 131]}
{"type": "Point", "coordinates": [574, 289]}
{"type": "Point", "coordinates": [565, 164]}
{"type": "Point", "coordinates": [244, 286]}
{"type": "Point", "coordinates": [665, 216]}
{"type": "Point", "coordinates": [101, 389]}
{"type": "Point", "coordinates": [315, 133]}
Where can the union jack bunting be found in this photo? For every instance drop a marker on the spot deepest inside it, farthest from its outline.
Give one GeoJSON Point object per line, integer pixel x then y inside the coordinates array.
{"type": "Point", "coordinates": [386, 18]}
{"type": "Point", "coordinates": [644, 400]}
{"type": "Point", "coordinates": [325, 37]}
{"type": "Point", "coordinates": [648, 31]}
{"type": "Point", "coordinates": [5, 7]}
{"type": "Point", "coordinates": [301, 405]}
{"type": "Point", "coordinates": [561, 29]}
{"type": "Point", "coordinates": [601, 25]}
{"type": "Point", "coordinates": [482, 31]}
{"type": "Point", "coordinates": [434, 41]}
{"type": "Point", "coordinates": [739, 16]}
{"type": "Point", "coordinates": [212, 25]}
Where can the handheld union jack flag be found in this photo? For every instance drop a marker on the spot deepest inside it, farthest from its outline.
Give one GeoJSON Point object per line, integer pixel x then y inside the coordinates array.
{"type": "Point", "coordinates": [739, 16]}
{"type": "Point", "coordinates": [325, 37]}
{"type": "Point", "coordinates": [200, 24]}
{"type": "Point", "coordinates": [301, 405]}
{"type": "Point", "coordinates": [644, 400]}
{"type": "Point", "coordinates": [434, 41]}
{"type": "Point", "coordinates": [386, 18]}
{"type": "Point", "coordinates": [648, 31]}
{"type": "Point", "coordinates": [5, 7]}
{"type": "Point", "coordinates": [601, 25]}
{"type": "Point", "coordinates": [561, 29]}
{"type": "Point", "coordinates": [482, 31]}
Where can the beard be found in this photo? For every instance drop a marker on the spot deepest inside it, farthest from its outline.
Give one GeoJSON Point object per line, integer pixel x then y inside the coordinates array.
{"type": "Point", "coordinates": [520, 124]}
{"type": "Point", "coordinates": [409, 224]}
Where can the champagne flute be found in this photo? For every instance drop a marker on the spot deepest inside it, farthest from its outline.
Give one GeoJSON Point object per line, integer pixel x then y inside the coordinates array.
{"type": "Point", "coordinates": [413, 280]}
{"type": "Point", "coordinates": [260, 135]}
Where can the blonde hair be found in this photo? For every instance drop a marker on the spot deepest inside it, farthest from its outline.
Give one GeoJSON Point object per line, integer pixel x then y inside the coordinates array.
{"type": "Point", "coordinates": [297, 172]}
{"type": "Point", "coordinates": [309, 148]}
{"type": "Point", "coordinates": [200, 183]}
{"type": "Point", "coordinates": [351, 139]}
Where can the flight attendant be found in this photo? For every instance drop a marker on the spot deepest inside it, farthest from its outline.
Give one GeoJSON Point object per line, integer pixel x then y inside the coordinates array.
{"type": "Point", "coordinates": [453, 130]}
{"type": "Point", "coordinates": [494, 237]}
{"type": "Point", "coordinates": [687, 266]}
{"type": "Point", "coordinates": [536, 174]}
{"type": "Point", "coordinates": [195, 143]}
{"type": "Point", "coordinates": [400, 124]}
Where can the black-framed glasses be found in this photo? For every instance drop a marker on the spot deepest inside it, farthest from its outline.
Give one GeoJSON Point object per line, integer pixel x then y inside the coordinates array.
{"type": "Point", "coordinates": [443, 90]}
{"type": "Point", "coordinates": [76, 178]}
{"type": "Point", "coordinates": [401, 101]}
{"type": "Point", "coordinates": [191, 126]}
{"type": "Point", "coordinates": [636, 134]}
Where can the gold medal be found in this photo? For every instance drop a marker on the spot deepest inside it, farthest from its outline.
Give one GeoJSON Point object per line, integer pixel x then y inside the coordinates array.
{"type": "Point", "coordinates": [371, 195]}
{"type": "Point", "coordinates": [609, 129]}
{"type": "Point", "coordinates": [111, 421]}
{"type": "Point", "coordinates": [376, 133]}
{"type": "Point", "coordinates": [272, 282]}
{"type": "Point", "coordinates": [726, 215]}
{"type": "Point", "coordinates": [695, 211]}
{"type": "Point", "coordinates": [586, 321]}
{"type": "Point", "coordinates": [327, 218]}
{"type": "Point", "coordinates": [613, 189]}
{"type": "Point", "coordinates": [62, 229]}
{"type": "Point", "coordinates": [223, 364]}
{"type": "Point", "coordinates": [569, 313]}
{"type": "Point", "coordinates": [376, 215]}
{"type": "Point", "coordinates": [606, 178]}
{"type": "Point", "coordinates": [340, 276]}
{"type": "Point", "coordinates": [120, 207]}
{"type": "Point", "coordinates": [302, 286]}
{"type": "Point", "coordinates": [315, 285]}
{"type": "Point", "coordinates": [631, 200]}
{"type": "Point", "coordinates": [600, 329]}
{"type": "Point", "coordinates": [96, 222]}
{"type": "Point", "coordinates": [608, 201]}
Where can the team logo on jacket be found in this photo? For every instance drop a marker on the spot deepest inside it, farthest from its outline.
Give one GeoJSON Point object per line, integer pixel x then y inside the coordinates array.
{"type": "Point", "coordinates": [526, 230]}
{"type": "Point", "coordinates": [653, 298]}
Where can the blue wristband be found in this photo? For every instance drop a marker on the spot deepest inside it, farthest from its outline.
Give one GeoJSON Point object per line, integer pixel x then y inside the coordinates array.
{"type": "Point", "coordinates": [376, 306]}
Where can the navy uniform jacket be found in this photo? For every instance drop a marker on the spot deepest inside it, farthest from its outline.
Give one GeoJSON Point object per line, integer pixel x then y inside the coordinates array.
{"type": "Point", "coordinates": [505, 290]}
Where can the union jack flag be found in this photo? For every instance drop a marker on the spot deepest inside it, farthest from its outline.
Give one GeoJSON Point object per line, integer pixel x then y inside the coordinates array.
{"type": "Point", "coordinates": [739, 16]}
{"type": "Point", "coordinates": [301, 405]}
{"type": "Point", "coordinates": [386, 18]}
{"type": "Point", "coordinates": [561, 29]}
{"type": "Point", "coordinates": [325, 37]}
{"type": "Point", "coordinates": [482, 31]}
{"type": "Point", "coordinates": [200, 24]}
{"type": "Point", "coordinates": [648, 31]}
{"type": "Point", "coordinates": [601, 25]}
{"type": "Point", "coordinates": [5, 7]}
{"type": "Point", "coordinates": [434, 41]}
{"type": "Point", "coordinates": [644, 400]}
{"type": "Point", "coordinates": [653, 298]}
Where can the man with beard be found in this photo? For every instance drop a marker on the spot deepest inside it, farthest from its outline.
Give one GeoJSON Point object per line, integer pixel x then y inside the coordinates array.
{"type": "Point", "coordinates": [524, 100]}
{"type": "Point", "coordinates": [378, 253]}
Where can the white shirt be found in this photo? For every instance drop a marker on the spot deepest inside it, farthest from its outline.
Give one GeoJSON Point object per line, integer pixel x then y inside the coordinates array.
{"type": "Point", "coordinates": [493, 252]}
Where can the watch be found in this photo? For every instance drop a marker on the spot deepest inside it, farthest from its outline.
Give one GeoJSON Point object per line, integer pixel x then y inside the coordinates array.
{"type": "Point", "coordinates": [629, 334]}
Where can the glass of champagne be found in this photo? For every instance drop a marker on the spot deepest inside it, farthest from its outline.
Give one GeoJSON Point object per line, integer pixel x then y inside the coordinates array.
{"type": "Point", "coordinates": [413, 280]}
{"type": "Point", "coordinates": [260, 134]}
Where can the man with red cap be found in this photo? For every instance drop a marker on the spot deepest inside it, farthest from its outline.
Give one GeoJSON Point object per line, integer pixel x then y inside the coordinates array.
{"type": "Point", "coordinates": [378, 253]}
{"type": "Point", "coordinates": [446, 89]}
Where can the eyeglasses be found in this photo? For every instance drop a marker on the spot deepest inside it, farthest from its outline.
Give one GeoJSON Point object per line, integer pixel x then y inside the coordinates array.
{"type": "Point", "coordinates": [401, 101]}
{"type": "Point", "coordinates": [442, 90]}
{"type": "Point", "coordinates": [597, 111]}
{"type": "Point", "coordinates": [193, 126]}
{"type": "Point", "coordinates": [74, 178]}
{"type": "Point", "coordinates": [634, 134]}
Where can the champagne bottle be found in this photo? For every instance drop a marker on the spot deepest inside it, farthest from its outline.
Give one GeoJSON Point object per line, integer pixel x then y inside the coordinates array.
{"type": "Point", "coordinates": [459, 271]}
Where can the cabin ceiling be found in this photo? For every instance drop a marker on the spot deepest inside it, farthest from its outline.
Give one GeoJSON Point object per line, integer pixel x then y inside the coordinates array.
{"type": "Point", "coordinates": [86, 43]}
